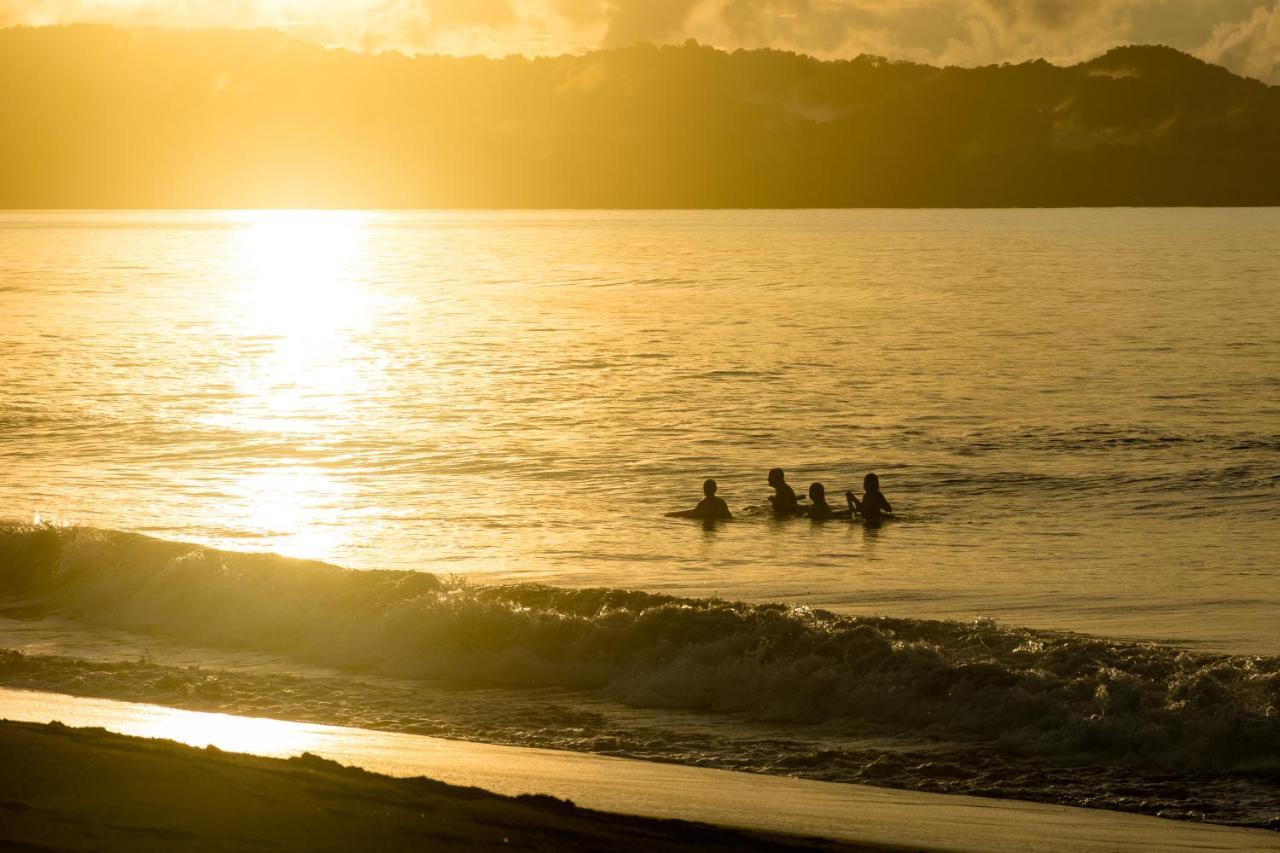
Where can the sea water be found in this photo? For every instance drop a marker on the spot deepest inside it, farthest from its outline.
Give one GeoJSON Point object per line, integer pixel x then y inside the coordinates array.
{"type": "Point", "coordinates": [1076, 414]}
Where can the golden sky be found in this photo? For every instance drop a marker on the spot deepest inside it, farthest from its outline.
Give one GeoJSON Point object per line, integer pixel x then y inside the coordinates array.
{"type": "Point", "coordinates": [1241, 34]}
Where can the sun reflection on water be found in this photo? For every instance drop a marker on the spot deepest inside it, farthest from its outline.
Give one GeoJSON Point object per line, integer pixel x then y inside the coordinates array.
{"type": "Point", "coordinates": [298, 508]}
{"type": "Point", "coordinates": [299, 308]}
{"type": "Point", "coordinates": [302, 302]}
{"type": "Point", "coordinates": [302, 273]}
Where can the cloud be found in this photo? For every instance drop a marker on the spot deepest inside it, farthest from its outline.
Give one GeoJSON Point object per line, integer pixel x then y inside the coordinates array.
{"type": "Point", "coordinates": [178, 13]}
{"type": "Point", "coordinates": [1251, 46]}
{"type": "Point", "coordinates": [1057, 30]}
{"type": "Point", "coordinates": [414, 24]}
{"type": "Point", "coordinates": [1241, 34]}
{"type": "Point", "coordinates": [320, 15]}
{"type": "Point", "coordinates": [427, 25]}
{"type": "Point", "coordinates": [630, 21]}
{"type": "Point", "coordinates": [580, 12]}
{"type": "Point", "coordinates": [816, 26]}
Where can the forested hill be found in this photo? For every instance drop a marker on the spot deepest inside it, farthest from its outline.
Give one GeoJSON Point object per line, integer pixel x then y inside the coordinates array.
{"type": "Point", "coordinates": [103, 117]}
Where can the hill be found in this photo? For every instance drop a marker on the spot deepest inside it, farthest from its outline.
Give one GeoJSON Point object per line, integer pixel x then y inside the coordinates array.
{"type": "Point", "coordinates": [103, 117]}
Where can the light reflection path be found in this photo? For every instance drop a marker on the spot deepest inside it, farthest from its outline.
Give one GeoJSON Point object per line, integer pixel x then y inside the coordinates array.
{"type": "Point", "coordinates": [300, 291]}
{"type": "Point", "coordinates": [771, 803]}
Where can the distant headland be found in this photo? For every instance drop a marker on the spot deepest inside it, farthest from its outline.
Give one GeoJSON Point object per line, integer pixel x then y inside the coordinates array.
{"type": "Point", "coordinates": [102, 117]}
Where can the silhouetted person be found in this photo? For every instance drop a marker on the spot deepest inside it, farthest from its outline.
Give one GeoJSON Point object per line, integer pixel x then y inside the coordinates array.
{"type": "Point", "coordinates": [784, 497]}
{"type": "Point", "coordinates": [710, 508]}
{"type": "Point", "coordinates": [874, 506]}
{"type": "Point", "coordinates": [819, 509]}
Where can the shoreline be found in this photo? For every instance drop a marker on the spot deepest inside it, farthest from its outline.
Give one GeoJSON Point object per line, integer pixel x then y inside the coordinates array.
{"type": "Point", "coordinates": [63, 786]}
{"type": "Point", "coordinates": [880, 818]}
{"type": "Point", "coordinates": [565, 721]}
{"type": "Point", "coordinates": [958, 708]}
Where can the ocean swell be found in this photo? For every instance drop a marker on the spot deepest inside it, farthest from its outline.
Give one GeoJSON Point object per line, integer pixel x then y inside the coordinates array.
{"type": "Point", "coordinates": [1079, 699]}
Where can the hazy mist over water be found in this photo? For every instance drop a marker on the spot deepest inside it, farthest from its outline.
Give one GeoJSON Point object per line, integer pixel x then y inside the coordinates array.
{"type": "Point", "coordinates": [1076, 412]}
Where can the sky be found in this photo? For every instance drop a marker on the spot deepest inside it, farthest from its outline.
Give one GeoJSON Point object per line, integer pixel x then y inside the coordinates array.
{"type": "Point", "coordinates": [1243, 35]}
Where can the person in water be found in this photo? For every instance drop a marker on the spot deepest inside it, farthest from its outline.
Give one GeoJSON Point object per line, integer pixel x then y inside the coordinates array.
{"type": "Point", "coordinates": [874, 506]}
{"type": "Point", "coordinates": [783, 497]}
{"type": "Point", "coordinates": [819, 509]}
{"type": "Point", "coordinates": [710, 508]}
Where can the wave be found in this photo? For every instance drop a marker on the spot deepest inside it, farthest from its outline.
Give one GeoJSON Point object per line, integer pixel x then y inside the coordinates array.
{"type": "Point", "coordinates": [1079, 699]}
{"type": "Point", "coordinates": [1103, 439]}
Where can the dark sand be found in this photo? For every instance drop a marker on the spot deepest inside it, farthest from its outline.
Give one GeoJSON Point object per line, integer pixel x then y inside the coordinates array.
{"type": "Point", "coordinates": [88, 789]}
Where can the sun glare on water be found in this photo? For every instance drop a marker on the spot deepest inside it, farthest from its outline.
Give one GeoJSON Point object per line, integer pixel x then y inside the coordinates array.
{"type": "Point", "coordinates": [302, 273]}
{"type": "Point", "coordinates": [298, 306]}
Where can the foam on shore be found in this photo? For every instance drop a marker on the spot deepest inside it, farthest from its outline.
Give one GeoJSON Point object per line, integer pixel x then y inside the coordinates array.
{"type": "Point", "coordinates": [1034, 692]}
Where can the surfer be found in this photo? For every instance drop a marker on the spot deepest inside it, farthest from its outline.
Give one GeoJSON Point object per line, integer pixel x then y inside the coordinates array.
{"type": "Point", "coordinates": [783, 497]}
{"type": "Point", "coordinates": [874, 506]}
{"type": "Point", "coordinates": [710, 508]}
{"type": "Point", "coordinates": [819, 509]}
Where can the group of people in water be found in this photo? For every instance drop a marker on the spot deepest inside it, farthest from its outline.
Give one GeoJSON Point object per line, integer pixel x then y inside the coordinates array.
{"type": "Point", "coordinates": [872, 508]}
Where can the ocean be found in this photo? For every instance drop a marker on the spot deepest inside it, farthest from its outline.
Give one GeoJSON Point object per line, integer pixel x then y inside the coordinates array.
{"type": "Point", "coordinates": [1076, 414]}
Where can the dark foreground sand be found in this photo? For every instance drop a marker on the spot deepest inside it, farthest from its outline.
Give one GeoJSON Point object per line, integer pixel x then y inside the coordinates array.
{"type": "Point", "coordinates": [89, 789]}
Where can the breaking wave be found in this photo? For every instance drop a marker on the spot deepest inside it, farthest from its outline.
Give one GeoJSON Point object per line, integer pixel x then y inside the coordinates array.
{"type": "Point", "coordinates": [1078, 699]}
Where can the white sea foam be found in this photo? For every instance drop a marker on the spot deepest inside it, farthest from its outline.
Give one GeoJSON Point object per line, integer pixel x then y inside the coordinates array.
{"type": "Point", "coordinates": [1033, 693]}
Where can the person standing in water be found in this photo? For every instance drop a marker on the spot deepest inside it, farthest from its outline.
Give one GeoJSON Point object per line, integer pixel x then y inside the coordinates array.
{"type": "Point", "coordinates": [710, 508]}
{"type": "Point", "coordinates": [874, 506]}
{"type": "Point", "coordinates": [820, 510]}
{"type": "Point", "coordinates": [784, 497]}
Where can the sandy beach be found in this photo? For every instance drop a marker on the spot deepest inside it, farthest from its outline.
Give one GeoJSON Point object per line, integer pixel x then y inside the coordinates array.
{"type": "Point", "coordinates": [866, 817]}
{"type": "Point", "coordinates": [75, 789]}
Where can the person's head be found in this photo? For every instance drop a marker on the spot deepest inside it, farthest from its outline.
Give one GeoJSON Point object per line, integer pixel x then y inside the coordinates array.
{"type": "Point", "coordinates": [871, 483]}
{"type": "Point", "coordinates": [817, 493]}
{"type": "Point", "coordinates": [709, 488]}
{"type": "Point", "coordinates": [775, 477]}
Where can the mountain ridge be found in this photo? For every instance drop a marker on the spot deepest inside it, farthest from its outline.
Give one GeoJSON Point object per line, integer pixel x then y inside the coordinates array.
{"type": "Point", "coordinates": [108, 117]}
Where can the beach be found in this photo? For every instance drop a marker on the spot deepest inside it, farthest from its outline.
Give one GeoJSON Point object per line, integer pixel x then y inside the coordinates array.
{"type": "Point", "coordinates": [47, 757]}
{"type": "Point", "coordinates": [971, 708]}
{"type": "Point", "coordinates": [65, 788]}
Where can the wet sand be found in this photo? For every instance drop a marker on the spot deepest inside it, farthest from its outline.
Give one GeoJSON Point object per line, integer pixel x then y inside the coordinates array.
{"type": "Point", "coordinates": [74, 789]}
{"type": "Point", "coordinates": [854, 814]}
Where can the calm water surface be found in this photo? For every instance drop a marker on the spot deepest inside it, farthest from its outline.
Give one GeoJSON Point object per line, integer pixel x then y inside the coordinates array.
{"type": "Point", "coordinates": [1077, 413]}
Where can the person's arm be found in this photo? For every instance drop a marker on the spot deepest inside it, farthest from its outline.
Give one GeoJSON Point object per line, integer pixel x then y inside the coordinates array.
{"type": "Point", "coordinates": [884, 504]}
{"type": "Point", "coordinates": [698, 511]}
{"type": "Point", "coordinates": [855, 506]}
{"type": "Point", "coordinates": [724, 511]}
